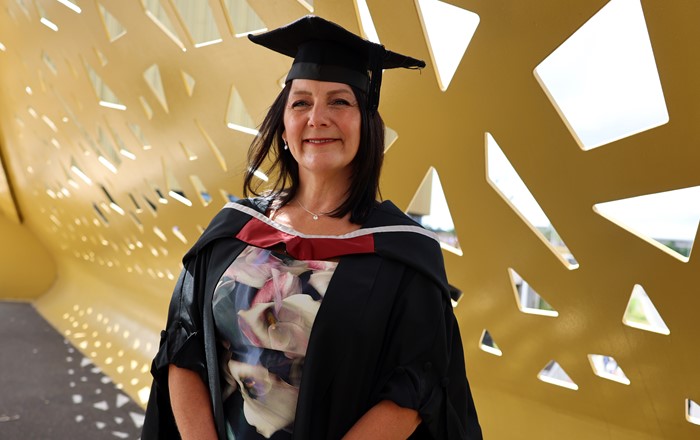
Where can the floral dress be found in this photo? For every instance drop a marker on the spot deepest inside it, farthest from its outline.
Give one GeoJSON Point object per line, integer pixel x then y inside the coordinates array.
{"type": "Point", "coordinates": [264, 307]}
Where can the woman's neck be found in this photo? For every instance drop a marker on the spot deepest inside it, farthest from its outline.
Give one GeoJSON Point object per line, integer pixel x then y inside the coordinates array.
{"type": "Point", "coordinates": [319, 195]}
{"type": "Point", "coordinates": [308, 212]}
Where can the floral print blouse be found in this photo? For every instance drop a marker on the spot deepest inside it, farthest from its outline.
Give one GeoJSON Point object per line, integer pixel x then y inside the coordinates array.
{"type": "Point", "coordinates": [264, 307]}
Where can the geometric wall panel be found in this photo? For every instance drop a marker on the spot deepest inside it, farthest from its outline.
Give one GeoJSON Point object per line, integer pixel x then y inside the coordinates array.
{"type": "Point", "coordinates": [488, 345]}
{"type": "Point", "coordinates": [554, 374]}
{"type": "Point", "coordinates": [503, 177]}
{"type": "Point", "coordinates": [44, 19]}
{"type": "Point", "coordinates": [390, 136]}
{"type": "Point", "coordinates": [71, 5]}
{"type": "Point", "coordinates": [189, 82]}
{"type": "Point", "coordinates": [448, 30]}
{"type": "Point", "coordinates": [308, 4]}
{"type": "Point", "coordinates": [429, 208]}
{"type": "Point", "coordinates": [369, 32]}
{"type": "Point", "coordinates": [113, 27]}
{"type": "Point", "coordinates": [528, 300]}
{"type": "Point", "coordinates": [607, 368]}
{"type": "Point", "coordinates": [155, 82]}
{"type": "Point", "coordinates": [155, 11]}
{"type": "Point", "coordinates": [7, 201]}
{"type": "Point", "coordinates": [641, 313]}
{"type": "Point", "coordinates": [669, 220]}
{"type": "Point", "coordinates": [237, 116]}
{"type": "Point", "coordinates": [242, 19]}
{"type": "Point", "coordinates": [105, 95]}
{"type": "Point", "coordinates": [692, 412]}
{"type": "Point", "coordinates": [197, 17]}
{"type": "Point", "coordinates": [603, 79]}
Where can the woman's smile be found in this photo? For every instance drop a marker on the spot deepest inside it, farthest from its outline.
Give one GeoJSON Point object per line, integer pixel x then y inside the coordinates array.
{"type": "Point", "coordinates": [320, 141]}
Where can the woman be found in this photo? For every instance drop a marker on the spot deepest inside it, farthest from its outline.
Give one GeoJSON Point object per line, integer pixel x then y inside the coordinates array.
{"type": "Point", "coordinates": [314, 312]}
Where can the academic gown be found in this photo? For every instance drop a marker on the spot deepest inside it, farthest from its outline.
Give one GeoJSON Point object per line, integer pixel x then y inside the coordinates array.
{"type": "Point", "coordinates": [385, 330]}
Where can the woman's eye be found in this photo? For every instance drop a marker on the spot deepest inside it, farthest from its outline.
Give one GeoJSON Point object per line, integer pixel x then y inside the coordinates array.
{"type": "Point", "coordinates": [297, 104]}
{"type": "Point", "coordinates": [340, 102]}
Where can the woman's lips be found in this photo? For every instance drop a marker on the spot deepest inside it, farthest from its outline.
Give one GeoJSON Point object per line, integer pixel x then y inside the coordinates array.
{"type": "Point", "coordinates": [320, 141]}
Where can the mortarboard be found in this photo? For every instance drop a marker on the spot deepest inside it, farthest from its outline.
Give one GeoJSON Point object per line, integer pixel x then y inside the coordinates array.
{"type": "Point", "coordinates": [324, 51]}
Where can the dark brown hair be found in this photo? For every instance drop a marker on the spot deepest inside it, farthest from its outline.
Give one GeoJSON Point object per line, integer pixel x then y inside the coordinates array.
{"type": "Point", "coordinates": [366, 167]}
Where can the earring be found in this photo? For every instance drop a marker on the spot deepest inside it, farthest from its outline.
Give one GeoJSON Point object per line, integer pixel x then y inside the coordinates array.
{"type": "Point", "coordinates": [285, 144]}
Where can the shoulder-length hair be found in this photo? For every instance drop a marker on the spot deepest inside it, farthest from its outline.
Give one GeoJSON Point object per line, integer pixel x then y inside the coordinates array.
{"type": "Point", "coordinates": [266, 150]}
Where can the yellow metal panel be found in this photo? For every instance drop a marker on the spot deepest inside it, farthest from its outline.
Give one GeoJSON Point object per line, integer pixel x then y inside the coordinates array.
{"type": "Point", "coordinates": [7, 201]}
{"type": "Point", "coordinates": [27, 269]}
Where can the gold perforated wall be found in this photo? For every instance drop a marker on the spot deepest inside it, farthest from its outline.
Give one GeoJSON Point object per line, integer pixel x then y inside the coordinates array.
{"type": "Point", "coordinates": [125, 124]}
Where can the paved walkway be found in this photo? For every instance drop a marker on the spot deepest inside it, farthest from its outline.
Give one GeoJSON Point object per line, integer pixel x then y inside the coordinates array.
{"type": "Point", "coordinates": [49, 390]}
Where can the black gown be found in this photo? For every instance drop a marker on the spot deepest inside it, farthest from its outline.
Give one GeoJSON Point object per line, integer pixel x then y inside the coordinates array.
{"type": "Point", "coordinates": [385, 331]}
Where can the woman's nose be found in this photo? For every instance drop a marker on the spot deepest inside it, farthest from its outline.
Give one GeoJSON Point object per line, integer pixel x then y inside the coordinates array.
{"type": "Point", "coordinates": [318, 116]}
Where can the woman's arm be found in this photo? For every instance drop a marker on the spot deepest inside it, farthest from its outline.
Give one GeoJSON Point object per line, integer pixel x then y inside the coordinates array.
{"type": "Point", "coordinates": [189, 398]}
{"type": "Point", "coordinates": [387, 421]}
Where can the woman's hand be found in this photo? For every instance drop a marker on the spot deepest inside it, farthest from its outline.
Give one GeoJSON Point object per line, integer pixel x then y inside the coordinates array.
{"type": "Point", "coordinates": [387, 421]}
{"type": "Point", "coordinates": [191, 405]}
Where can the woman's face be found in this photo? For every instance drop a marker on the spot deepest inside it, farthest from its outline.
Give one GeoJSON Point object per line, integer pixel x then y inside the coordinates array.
{"type": "Point", "coordinates": [322, 127]}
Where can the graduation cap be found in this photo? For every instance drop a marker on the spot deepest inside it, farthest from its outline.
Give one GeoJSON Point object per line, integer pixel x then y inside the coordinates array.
{"type": "Point", "coordinates": [324, 51]}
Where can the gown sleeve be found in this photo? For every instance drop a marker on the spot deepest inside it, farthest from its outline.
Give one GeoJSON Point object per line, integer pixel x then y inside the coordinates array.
{"type": "Point", "coordinates": [423, 367]}
{"type": "Point", "coordinates": [181, 344]}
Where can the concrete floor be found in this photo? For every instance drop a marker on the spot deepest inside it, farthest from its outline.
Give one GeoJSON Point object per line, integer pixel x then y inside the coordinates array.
{"type": "Point", "coordinates": [49, 390]}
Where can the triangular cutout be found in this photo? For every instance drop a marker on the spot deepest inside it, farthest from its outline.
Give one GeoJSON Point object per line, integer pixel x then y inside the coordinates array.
{"type": "Point", "coordinates": [138, 133]}
{"type": "Point", "coordinates": [390, 136]}
{"type": "Point", "coordinates": [191, 155]}
{"type": "Point", "coordinates": [113, 27]}
{"type": "Point", "coordinates": [101, 57]}
{"type": "Point", "coordinates": [178, 233]}
{"type": "Point", "coordinates": [155, 83]}
{"type": "Point", "coordinates": [212, 146]}
{"type": "Point", "coordinates": [528, 300]}
{"type": "Point", "coordinates": [448, 30]}
{"type": "Point", "coordinates": [189, 82]}
{"type": "Point", "coordinates": [369, 32]}
{"type": "Point", "coordinates": [554, 374]}
{"type": "Point", "coordinates": [199, 22]}
{"type": "Point", "coordinates": [237, 117]}
{"type": "Point", "coordinates": [641, 313]}
{"type": "Point", "coordinates": [505, 180]}
{"type": "Point", "coordinates": [23, 7]}
{"type": "Point", "coordinates": [243, 19]}
{"type": "Point", "coordinates": [202, 191]}
{"type": "Point", "coordinates": [79, 172]}
{"type": "Point", "coordinates": [603, 79]}
{"type": "Point", "coordinates": [173, 186]}
{"type": "Point", "coordinates": [146, 107]}
{"type": "Point", "coordinates": [607, 368]}
{"type": "Point", "coordinates": [429, 208]}
{"type": "Point", "coordinates": [154, 10]}
{"type": "Point", "coordinates": [49, 63]}
{"type": "Point", "coordinates": [668, 219]}
{"type": "Point", "coordinates": [44, 19]}
{"type": "Point", "coordinates": [692, 412]}
{"type": "Point", "coordinates": [228, 197]}
{"type": "Point", "coordinates": [108, 148]}
{"type": "Point", "coordinates": [308, 4]}
{"type": "Point", "coordinates": [72, 5]}
{"type": "Point", "coordinates": [488, 345]}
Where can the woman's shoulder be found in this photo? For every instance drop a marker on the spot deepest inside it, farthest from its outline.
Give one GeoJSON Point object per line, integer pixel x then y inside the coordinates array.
{"type": "Point", "coordinates": [228, 221]}
{"type": "Point", "coordinates": [386, 212]}
{"type": "Point", "coordinates": [400, 238]}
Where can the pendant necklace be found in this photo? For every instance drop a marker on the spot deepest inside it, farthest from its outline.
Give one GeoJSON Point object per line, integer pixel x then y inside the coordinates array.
{"type": "Point", "coordinates": [313, 214]}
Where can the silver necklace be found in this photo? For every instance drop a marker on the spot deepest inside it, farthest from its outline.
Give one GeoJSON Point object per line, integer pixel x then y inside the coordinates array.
{"type": "Point", "coordinates": [313, 214]}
